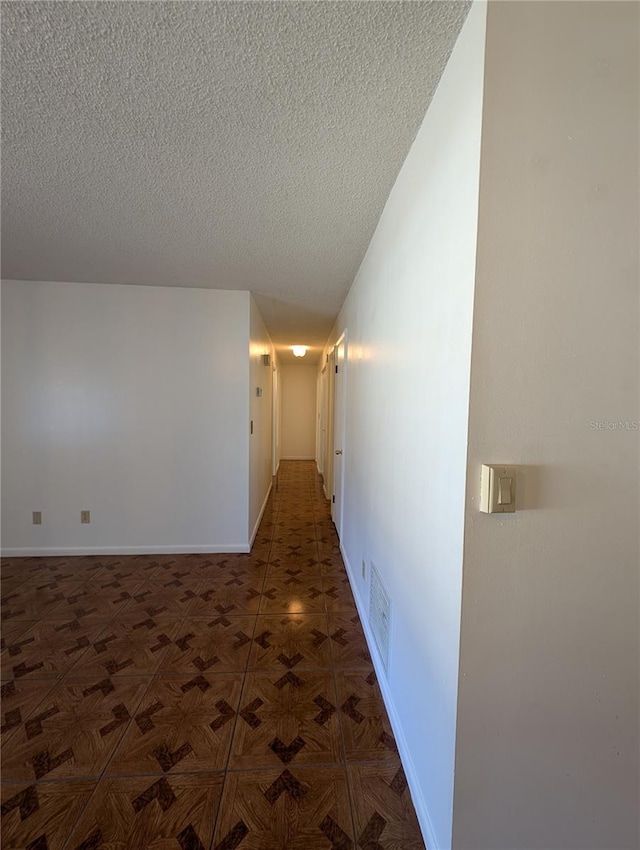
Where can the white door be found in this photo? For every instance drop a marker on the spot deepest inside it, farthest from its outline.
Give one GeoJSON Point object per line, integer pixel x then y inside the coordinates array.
{"type": "Point", "coordinates": [339, 386]}
{"type": "Point", "coordinates": [321, 412]}
{"type": "Point", "coordinates": [327, 475]}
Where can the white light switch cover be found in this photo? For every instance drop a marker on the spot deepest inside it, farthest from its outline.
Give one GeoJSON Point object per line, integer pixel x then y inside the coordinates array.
{"type": "Point", "coordinates": [497, 489]}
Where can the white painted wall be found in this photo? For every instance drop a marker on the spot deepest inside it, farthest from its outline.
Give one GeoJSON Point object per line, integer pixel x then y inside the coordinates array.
{"type": "Point", "coordinates": [298, 411]}
{"type": "Point", "coordinates": [409, 317]}
{"type": "Point", "coordinates": [128, 401]}
{"type": "Point", "coordinates": [261, 414]}
{"type": "Point", "coordinates": [548, 715]}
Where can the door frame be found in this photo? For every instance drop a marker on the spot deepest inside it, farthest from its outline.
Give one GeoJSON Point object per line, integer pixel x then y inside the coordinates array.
{"type": "Point", "coordinates": [275, 421]}
{"type": "Point", "coordinates": [327, 475]}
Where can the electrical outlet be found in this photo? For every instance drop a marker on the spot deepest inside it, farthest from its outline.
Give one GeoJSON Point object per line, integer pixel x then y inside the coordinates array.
{"type": "Point", "coordinates": [85, 517]}
{"type": "Point", "coordinates": [364, 568]}
{"type": "Point", "coordinates": [37, 517]}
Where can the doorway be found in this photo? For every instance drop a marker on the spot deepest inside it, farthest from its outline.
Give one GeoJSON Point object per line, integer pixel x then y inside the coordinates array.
{"type": "Point", "coordinates": [275, 425]}
{"type": "Point", "coordinates": [339, 416]}
{"type": "Point", "coordinates": [321, 409]}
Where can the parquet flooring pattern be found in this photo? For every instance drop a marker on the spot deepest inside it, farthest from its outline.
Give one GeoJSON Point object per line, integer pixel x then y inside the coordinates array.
{"type": "Point", "coordinates": [198, 702]}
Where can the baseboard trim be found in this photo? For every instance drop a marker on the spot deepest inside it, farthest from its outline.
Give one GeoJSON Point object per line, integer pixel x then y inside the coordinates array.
{"type": "Point", "coordinates": [262, 510]}
{"type": "Point", "coordinates": [53, 551]}
{"type": "Point", "coordinates": [419, 802]}
{"type": "Point", "coordinates": [299, 457]}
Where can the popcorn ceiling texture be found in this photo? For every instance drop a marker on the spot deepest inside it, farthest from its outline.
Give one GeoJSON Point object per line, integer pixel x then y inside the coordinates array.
{"type": "Point", "coordinates": [242, 145]}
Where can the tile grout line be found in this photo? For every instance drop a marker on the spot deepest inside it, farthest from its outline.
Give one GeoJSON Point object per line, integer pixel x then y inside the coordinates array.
{"type": "Point", "coordinates": [101, 777]}
{"type": "Point", "coordinates": [226, 771]}
{"type": "Point", "coordinates": [341, 731]}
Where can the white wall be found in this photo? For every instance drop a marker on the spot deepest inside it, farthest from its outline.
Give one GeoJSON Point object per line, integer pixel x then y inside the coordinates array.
{"type": "Point", "coordinates": [548, 714]}
{"type": "Point", "coordinates": [261, 414]}
{"type": "Point", "coordinates": [409, 317]}
{"type": "Point", "coordinates": [130, 402]}
{"type": "Point", "coordinates": [298, 411]}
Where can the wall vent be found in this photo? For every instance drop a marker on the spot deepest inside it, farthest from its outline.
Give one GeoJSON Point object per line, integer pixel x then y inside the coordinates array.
{"type": "Point", "coordinates": [380, 615]}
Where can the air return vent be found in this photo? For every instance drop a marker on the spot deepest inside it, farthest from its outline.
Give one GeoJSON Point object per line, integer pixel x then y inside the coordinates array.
{"type": "Point", "coordinates": [380, 615]}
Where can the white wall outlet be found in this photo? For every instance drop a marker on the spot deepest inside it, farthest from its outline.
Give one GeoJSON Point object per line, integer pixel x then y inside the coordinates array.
{"type": "Point", "coordinates": [37, 517]}
{"type": "Point", "coordinates": [85, 517]}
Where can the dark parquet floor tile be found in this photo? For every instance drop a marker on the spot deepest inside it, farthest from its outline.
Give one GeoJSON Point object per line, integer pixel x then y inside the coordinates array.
{"type": "Point", "coordinates": [49, 648]}
{"type": "Point", "coordinates": [365, 726]}
{"type": "Point", "coordinates": [290, 641]}
{"type": "Point", "coordinates": [295, 808]}
{"type": "Point", "coordinates": [12, 630]}
{"type": "Point", "coordinates": [31, 601]}
{"type": "Point", "coordinates": [150, 812]}
{"type": "Point", "coordinates": [183, 725]}
{"type": "Point", "coordinates": [129, 647]}
{"type": "Point", "coordinates": [382, 809]}
{"type": "Point", "coordinates": [348, 645]}
{"type": "Point", "coordinates": [39, 816]}
{"type": "Point", "coordinates": [153, 599]}
{"type": "Point", "coordinates": [21, 698]}
{"type": "Point", "coordinates": [281, 597]}
{"type": "Point", "coordinates": [240, 595]}
{"type": "Point", "coordinates": [218, 645]}
{"type": "Point", "coordinates": [74, 729]}
{"type": "Point", "coordinates": [304, 558]}
{"type": "Point", "coordinates": [287, 717]}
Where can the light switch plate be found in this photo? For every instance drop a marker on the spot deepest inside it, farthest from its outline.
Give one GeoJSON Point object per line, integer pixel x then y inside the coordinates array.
{"type": "Point", "coordinates": [498, 489]}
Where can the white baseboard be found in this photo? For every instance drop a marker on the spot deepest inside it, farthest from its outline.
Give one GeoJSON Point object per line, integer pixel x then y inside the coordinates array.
{"type": "Point", "coordinates": [53, 551]}
{"type": "Point", "coordinates": [262, 510]}
{"type": "Point", "coordinates": [300, 457]}
{"type": "Point", "coordinates": [419, 802]}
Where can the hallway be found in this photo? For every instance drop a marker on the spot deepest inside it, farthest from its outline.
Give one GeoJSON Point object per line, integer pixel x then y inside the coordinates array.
{"type": "Point", "coordinates": [198, 701]}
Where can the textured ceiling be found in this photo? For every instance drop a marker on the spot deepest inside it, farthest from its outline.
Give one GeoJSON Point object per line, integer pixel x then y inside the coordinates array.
{"type": "Point", "coordinates": [241, 145]}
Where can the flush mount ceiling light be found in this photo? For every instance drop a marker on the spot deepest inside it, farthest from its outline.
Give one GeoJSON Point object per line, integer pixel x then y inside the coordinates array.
{"type": "Point", "coordinates": [299, 350]}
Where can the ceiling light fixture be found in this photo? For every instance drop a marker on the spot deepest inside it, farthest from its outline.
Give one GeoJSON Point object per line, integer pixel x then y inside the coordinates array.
{"type": "Point", "coordinates": [299, 350]}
